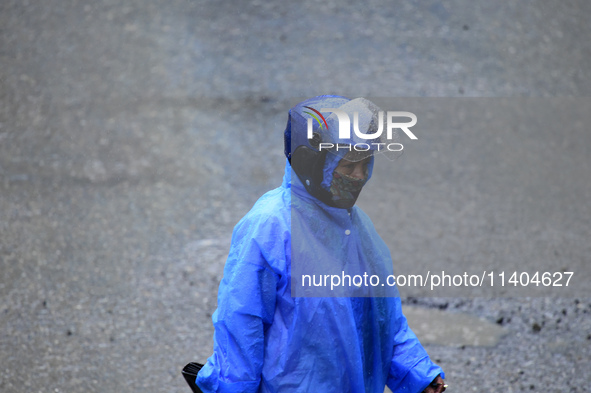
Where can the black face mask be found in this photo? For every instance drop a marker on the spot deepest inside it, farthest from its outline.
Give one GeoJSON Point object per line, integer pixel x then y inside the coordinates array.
{"type": "Point", "coordinates": [345, 189]}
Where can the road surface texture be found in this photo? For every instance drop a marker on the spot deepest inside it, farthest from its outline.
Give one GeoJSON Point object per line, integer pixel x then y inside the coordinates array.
{"type": "Point", "coordinates": [135, 134]}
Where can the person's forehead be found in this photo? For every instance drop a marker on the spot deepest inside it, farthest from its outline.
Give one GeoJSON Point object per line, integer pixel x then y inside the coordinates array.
{"type": "Point", "coordinates": [356, 155]}
{"type": "Point", "coordinates": [344, 161]}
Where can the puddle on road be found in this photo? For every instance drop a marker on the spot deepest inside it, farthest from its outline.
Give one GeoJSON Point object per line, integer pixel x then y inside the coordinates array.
{"type": "Point", "coordinates": [434, 326]}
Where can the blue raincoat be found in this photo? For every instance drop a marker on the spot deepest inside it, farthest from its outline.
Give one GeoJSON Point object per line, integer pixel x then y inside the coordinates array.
{"type": "Point", "coordinates": [268, 341]}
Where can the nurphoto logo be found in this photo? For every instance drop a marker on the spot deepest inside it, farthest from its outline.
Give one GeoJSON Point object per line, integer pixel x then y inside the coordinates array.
{"type": "Point", "coordinates": [345, 129]}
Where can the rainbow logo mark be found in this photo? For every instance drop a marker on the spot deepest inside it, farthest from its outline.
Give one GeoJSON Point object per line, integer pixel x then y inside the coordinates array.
{"type": "Point", "coordinates": [315, 117]}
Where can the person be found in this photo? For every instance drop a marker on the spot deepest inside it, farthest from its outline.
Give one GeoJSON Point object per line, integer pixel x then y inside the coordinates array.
{"type": "Point", "coordinates": [274, 332]}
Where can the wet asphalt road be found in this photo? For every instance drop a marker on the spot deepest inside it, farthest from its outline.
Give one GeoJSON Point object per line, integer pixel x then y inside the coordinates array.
{"type": "Point", "coordinates": [134, 135]}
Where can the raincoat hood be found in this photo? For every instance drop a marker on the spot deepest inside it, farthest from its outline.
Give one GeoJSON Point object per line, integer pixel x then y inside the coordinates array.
{"type": "Point", "coordinates": [310, 132]}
